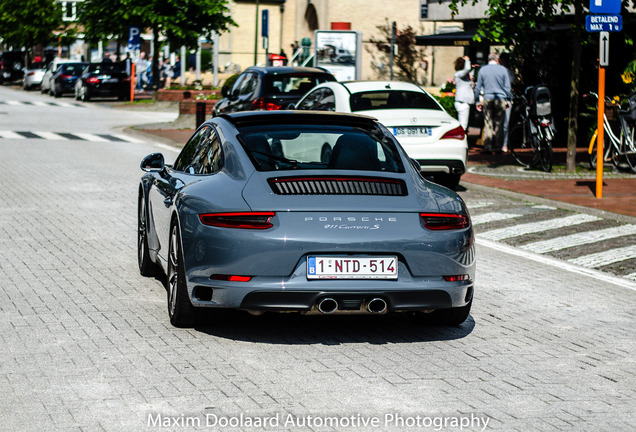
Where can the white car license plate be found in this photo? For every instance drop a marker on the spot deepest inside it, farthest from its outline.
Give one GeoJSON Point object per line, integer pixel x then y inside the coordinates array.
{"type": "Point", "coordinates": [377, 267]}
{"type": "Point", "coordinates": [412, 131]}
{"type": "Point", "coordinates": [112, 80]}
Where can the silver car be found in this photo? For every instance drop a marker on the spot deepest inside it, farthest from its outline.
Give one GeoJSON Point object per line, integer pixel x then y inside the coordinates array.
{"type": "Point", "coordinates": [300, 211]}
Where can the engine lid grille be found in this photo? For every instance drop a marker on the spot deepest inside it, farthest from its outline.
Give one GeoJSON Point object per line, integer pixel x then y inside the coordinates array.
{"type": "Point", "coordinates": [338, 186]}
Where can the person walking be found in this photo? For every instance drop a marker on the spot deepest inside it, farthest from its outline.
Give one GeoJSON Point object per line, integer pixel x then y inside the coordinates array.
{"type": "Point", "coordinates": [504, 60]}
{"type": "Point", "coordinates": [464, 96]}
{"type": "Point", "coordinates": [494, 80]}
{"type": "Point", "coordinates": [140, 70]}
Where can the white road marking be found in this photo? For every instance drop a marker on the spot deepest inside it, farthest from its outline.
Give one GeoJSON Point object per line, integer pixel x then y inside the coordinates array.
{"type": "Point", "coordinates": [631, 276]}
{"type": "Point", "coordinates": [127, 138]}
{"type": "Point", "coordinates": [478, 205]}
{"type": "Point", "coordinates": [90, 137]}
{"type": "Point", "coordinates": [51, 136]}
{"type": "Point", "coordinates": [579, 239]}
{"type": "Point", "coordinates": [608, 257]}
{"type": "Point", "coordinates": [554, 262]}
{"type": "Point", "coordinates": [11, 135]}
{"type": "Point", "coordinates": [492, 217]}
{"type": "Point", "coordinates": [535, 227]}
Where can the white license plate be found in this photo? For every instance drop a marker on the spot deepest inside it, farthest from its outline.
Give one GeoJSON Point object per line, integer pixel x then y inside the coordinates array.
{"type": "Point", "coordinates": [112, 80]}
{"type": "Point", "coordinates": [412, 131]}
{"type": "Point", "coordinates": [377, 267]}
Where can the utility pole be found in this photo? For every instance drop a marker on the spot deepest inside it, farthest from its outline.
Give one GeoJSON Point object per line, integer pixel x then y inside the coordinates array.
{"type": "Point", "coordinates": [393, 32]}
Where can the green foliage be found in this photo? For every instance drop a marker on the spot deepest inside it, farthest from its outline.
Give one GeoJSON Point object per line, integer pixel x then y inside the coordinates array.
{"type": "Point", "coordinates": [407, 62]}
{"type": "Point", "coordinates": [448, 103]}
{"type": "Point", "coordinates": [181, 22]}
{"type": "Point", "coordinates": [25, 23]}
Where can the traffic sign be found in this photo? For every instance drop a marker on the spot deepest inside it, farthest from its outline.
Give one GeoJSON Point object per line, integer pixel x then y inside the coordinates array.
{"type": "Point", "coordinates": [599, 23]}
{"type": "Point", "coordinates": [603, 53]}
{"type": "Point", "coordinates": [608, 7]}
{"type": "Point", "coordinates": [134, 37]}
{"type": "Point", "coordinates": [265, 23]}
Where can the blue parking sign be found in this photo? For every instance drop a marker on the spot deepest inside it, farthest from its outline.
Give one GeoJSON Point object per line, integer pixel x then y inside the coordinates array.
{"type": "Point", "coordinates": [607, 7]}
{"type": "Point", "coordinates": [134, 37]}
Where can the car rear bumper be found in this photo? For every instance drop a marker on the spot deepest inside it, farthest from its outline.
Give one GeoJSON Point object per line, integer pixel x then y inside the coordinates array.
{"type": "Point", "coordinates": [350, 296]}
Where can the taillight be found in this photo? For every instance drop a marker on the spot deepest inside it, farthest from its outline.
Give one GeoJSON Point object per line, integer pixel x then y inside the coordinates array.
{"type": "Point", "coordinates": [456, 278]}
{"type": "Point", "coordinates": [260, 104]}
{"type": "Point", "coordinates": [231, 278]}
{"type": "Point", "coordinates": [92, 80]}
{"type": "Point", "coordinates": [445, 221]}
{"type": "Point", "coordinates": [126, 79]}
{"type": "Point", "coordinates": [65, 76]}
{"type": "Point", "coordinates": [244, 220]}
{"type": "Point", "coordinates": [457, 133]}
{"type": "Point", "coordinates": [31, 74]}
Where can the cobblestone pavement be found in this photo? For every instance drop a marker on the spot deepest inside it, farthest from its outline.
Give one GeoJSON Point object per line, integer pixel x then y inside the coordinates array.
{"type": "Point", "coordinates": [85, 342]}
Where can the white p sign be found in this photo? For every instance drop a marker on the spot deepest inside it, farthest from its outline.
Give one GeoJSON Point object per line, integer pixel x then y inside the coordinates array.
{"type": "Point", "coordinates": [134, 36]}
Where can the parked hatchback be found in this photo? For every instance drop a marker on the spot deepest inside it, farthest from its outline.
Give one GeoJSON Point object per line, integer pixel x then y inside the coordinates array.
{"type": "Point", "coordinates": [269, 88]}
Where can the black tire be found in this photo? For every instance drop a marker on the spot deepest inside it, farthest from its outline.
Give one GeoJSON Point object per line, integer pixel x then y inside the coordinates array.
{"type": "Point", "coordinates": [545, 156]}
{"type": "Point", "coordinates": [146, 266]}
{"type": "Point", "coordinates": [522, 147]}
{"type": "Point", "coordinates": [445, 317]}
{"type": "Point", "coordinates": [56, 93]}
{"type": "Point", "coordinates": [84, 96]}
{"type": "Point", "coordinates": [629, 146]}
{"type": "Point", "coordinates": [450, 181]}
{"type": "Point", "coordinates": [180, 309]}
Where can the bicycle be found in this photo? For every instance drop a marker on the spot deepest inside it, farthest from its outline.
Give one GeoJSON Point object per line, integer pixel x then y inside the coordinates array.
{"type": "Point", "coordinates": [621, 143]}
{"type": "Point", "coordinates": [530, 139]}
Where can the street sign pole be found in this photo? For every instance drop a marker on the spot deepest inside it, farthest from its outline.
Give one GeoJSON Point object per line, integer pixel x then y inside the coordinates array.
{"type": "Point", "coordinates": [600, 159]}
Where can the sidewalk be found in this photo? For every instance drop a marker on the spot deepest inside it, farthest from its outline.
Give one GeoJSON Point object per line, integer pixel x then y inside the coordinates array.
{"type": "Point", "coordinates": [502, 172]}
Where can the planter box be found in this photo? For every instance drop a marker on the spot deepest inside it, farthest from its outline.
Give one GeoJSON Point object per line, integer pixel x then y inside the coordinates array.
{"type": "Point", "coordinates": [190, 106]}
{"type": "Point", "coordinates": [180, 95]}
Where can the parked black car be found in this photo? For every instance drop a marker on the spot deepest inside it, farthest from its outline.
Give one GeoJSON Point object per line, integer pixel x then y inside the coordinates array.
{"type": "Point", "coordinates": [103, 80]}
{"type": "Point", "coordinates": [269, 88]}
{"type": "Point", "coordinates": [64, 78]}
{"type": "Point", "coordinates": [11, 66]}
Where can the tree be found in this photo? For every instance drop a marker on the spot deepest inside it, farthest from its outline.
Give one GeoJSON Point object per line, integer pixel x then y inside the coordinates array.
{"type": "Point", "coordinates": [180, 22]}
{"type": "Point", "coordinates": [516, 25]}
{"type": "Point", "coordinates": [408, 59]}
{"type": "Point", "coordinates": [26, 23]}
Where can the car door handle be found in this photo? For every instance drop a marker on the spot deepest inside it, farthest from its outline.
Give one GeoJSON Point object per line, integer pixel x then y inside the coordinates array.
{"type": "Point", "coordinates": [168, 202]}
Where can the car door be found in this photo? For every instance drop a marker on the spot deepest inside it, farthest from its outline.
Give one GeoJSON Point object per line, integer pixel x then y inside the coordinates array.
{"type": "Point", "coordinates": [246, 93]}
{"type": "Point", "coordinates": [166, 185]}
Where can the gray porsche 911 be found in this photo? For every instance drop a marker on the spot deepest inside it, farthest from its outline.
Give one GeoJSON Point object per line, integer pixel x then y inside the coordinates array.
{"type": "Point", "coordinates": [310, 212]}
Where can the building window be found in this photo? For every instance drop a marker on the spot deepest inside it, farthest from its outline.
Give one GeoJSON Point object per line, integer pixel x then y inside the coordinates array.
{"type": "Point", "coordinates": [69, 10]}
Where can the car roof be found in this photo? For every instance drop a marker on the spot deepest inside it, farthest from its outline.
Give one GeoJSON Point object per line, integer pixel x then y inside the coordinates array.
{"type": "Point", "coordinates": [274, 70]}
{"type": "Point", "coordinates": [257, 118]}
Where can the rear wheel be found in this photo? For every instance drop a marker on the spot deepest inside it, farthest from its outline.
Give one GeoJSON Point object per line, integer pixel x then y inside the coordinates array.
{"type": "Point", "coordinates": [180, 309]}
{"type": "Point", "coordinates": [629, 147]}
{"type": "Point", "coordinates": [146, 266]}
{"type": "Point", "coordinates": [522, 146]}
{"type": "Point", "coordinates": [545, 156]}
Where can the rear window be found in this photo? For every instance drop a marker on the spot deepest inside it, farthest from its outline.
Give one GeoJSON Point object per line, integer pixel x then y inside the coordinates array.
{"type": "Point", "coordinates": [392, 99]}
{"type": "Point", "coordinates": [73, 68]}
{"type": "Point", "coordinates": [293, 84]}
{"type": "Point", "coordinates": [293, 147]}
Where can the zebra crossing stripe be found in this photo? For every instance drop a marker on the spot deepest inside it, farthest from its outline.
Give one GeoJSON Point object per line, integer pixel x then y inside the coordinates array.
{"type": "Point", "coordinates": [608, 257]}
{"type": "Point", "coordinates": [492, 217]}
{"type": "Point", "coordinates": [90, 137]}
{"type": "Point", "coordinates": [10, 135]}
{"type": "Point", "coordinates": [536, 227]}
{"type": "Point", "coordinates": [52, 136]}
{"type": "Point", "coordinates": [127, 138]}
{"type": "Point", "coordinates": [579, 239]}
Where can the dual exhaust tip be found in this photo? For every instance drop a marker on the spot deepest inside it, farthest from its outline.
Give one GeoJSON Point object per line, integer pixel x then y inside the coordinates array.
{"type": "Point", "coordinates": [376, 305]}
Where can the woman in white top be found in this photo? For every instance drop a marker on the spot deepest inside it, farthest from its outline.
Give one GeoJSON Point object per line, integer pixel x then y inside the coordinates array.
{"type": "Point", "coordinates": [464, 95]}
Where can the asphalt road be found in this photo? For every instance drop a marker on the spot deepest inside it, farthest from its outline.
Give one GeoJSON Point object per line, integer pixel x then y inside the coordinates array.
{"type": "Point", "coordinates": [85, 342]}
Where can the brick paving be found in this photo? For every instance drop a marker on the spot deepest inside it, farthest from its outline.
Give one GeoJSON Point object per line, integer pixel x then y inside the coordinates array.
{"type": "Point", "coordinates": [85, 342]}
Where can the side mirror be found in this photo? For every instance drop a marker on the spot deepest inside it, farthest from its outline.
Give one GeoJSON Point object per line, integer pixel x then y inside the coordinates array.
{"type": "Point", "coordinates": [153, 163]}
{"type": "Point", "coordinates": [225, 91]}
